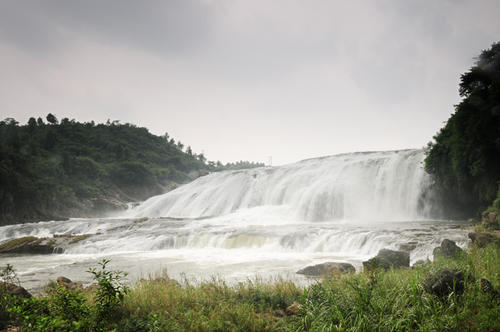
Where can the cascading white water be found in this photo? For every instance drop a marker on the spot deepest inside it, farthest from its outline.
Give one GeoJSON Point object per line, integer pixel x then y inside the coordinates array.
{"type": "Point", "coordinates": [267, 221]}
{"type": "Point", "coordinates": [380, 186]}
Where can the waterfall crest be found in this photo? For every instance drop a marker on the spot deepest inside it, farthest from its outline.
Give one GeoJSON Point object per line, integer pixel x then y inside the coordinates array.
{"type": "Point", "coordinates": [385, 186]}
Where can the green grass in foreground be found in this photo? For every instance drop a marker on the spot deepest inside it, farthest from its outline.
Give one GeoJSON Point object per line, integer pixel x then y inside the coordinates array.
{"type": "Point", "coordinates": [382, 301]}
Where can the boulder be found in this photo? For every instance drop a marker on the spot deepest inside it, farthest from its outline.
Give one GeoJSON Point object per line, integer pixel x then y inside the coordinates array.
{"type": "Point", "coordinates": [421, 262]}
{"type": "Point", "coordinates": [328, 268]}
{"type": "Point", "coordinates": [448, 249]}
{"type": "Point", "coordinates": [487, 287]}
{"type": "Point", "coordinates": [293, 309]}
{"type": "Point", "coordinates": [68, 284]}
{"type": "Point", "coordinates": [444, 282]}
{"type": "Point", "coordinates": [13, 290]}
{"type": "Point", "coordinates": [29, 245]}
{"type": "Point", "coordinates": [386, 259]}
{"type": "Point", "coordinates": [482, 239]}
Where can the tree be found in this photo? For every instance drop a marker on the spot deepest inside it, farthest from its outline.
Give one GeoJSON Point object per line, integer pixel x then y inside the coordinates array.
{"type": "Point", "coordinates": [464, 158]}
{"type": "Point", "coordinates": [51, 119]}
{"type": "Point", "coordinates": [31, 124]}
{"type": "Point", "coordinates": [201, 157]}
{"type": "Point", "coordinates": [166, 137]}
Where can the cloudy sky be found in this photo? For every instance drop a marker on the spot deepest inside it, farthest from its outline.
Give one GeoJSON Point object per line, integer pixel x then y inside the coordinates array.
{"type": "Point", "coordinates": [246, 79]}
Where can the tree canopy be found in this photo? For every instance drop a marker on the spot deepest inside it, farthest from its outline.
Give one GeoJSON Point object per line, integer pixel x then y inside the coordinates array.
{"type": "Point", "coordinates": [464, 157]}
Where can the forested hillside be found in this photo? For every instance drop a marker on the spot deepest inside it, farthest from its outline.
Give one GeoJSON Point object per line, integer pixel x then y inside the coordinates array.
{"type": "Point", "coordinates": [68, 169]}
{"type": "Point", "coordinates": [465, 156]}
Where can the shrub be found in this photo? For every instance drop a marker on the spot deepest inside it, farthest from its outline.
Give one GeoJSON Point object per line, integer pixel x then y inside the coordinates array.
{"type": "Point", "coordinates": [109, 294]}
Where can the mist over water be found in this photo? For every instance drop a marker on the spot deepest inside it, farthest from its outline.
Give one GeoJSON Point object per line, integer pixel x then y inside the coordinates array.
{"type": "Point", "coordinates": [258, 222]}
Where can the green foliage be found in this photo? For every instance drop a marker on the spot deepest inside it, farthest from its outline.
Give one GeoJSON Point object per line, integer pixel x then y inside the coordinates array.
{"type": "Point", "coordinates": [238, 165]}
{"type": "Point", "coordinates": [61, 310]}
{"type": "Point", "coordinates": [7, 275]}
{"type": "Point", "coordinates": [465, 155]}
{"type": "Point", "coordinates": [70, 310]}
{"type": "Point", "coordinates": [110, 292]}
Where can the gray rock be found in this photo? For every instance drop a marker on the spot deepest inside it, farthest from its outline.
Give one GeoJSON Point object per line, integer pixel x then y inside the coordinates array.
{"type": "Point", "coordinates": [29, 245]}
{"type": "Point", "coordinates": [386, 259]}
{"type": "Point", "coordinates": [487, 287]}
{"type": "Point", "coordinates": [68, 284]}
{"type": "Point", "coordinates": [293, 309]}
{"type": "Point", "coordinates": [421, 262]}
{"type": "Point", "coordinates": [328, 268]}
{"type": "Point", "coordinates": [448, 249]}
{"type": "Point", "coordinates": [444, 282]}
{"type": "Point", "coordinates": [7, 288]}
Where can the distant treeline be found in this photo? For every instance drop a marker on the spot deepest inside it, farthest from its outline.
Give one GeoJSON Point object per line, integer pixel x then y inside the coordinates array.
{"type": "Point", "coordinates": [465, 155]}
{"type": "Point", "coordinates": [51, 169]}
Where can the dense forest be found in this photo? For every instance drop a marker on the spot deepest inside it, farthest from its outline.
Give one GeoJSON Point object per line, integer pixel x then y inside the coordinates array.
{"type": "Point", "coordinates": [65, 169]}
{"type": "Point", "coordinates": [464, 157]}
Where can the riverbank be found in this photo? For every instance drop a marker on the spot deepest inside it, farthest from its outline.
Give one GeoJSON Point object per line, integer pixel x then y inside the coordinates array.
{"type": "Point", "coordinates": [396, 299]}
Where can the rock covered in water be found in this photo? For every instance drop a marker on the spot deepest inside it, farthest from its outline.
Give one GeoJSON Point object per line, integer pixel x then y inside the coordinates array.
{"type": "Point", "coordinates": [7, 288]}
{"type": "Point", "coordinates": [328, 268]}
{"type": "Point", "coordinates": [42, 246]}
{"type": "Point", "coordinates": [29, 245]}
{"type": "Point", "coordinates": [408, 246]}
{"type": "Point", "coordinates": [448, 249]}
{"type": "Point", "coordinates": [444, 282]}
{"type": "Point", "coordinates": [386, 259]}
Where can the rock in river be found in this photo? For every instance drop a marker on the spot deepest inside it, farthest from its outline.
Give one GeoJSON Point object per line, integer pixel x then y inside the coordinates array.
{"type": "Point", "coordinates": [7, 288]}
{"type": "Point", "coordinates": [29, 245]}
{"type": "Point", "coordinates": [328, 268]}
{"type": "Point", "coordinates": [386, 259]}
{"type": "Point", "coordinates": [448, 249]}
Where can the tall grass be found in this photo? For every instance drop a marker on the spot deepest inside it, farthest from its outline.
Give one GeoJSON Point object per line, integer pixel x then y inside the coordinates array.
{"type": "Point", "coordinates": [396, 300]}
{"type": "Point", "coordinates": [214, 305]}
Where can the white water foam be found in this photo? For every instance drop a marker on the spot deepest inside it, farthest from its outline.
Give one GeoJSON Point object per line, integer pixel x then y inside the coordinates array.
{"type": "Point", "coordinates": [358, 186]}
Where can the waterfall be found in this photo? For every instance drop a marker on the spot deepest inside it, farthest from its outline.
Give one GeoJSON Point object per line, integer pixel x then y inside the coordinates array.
{"type": "Point", "coordinates": [371, 186]}
{"type": "Point", "coordinates": [260, 222]}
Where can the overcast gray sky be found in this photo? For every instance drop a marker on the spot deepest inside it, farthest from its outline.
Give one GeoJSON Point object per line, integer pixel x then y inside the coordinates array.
{"type": "Point", "coordinates": [247, 79]}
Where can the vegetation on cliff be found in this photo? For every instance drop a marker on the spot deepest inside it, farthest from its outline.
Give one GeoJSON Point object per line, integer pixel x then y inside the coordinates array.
{"type": "Point", "coordinates": [465, 155]}
{"type": "Point", "coordinates": [68, 169]}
